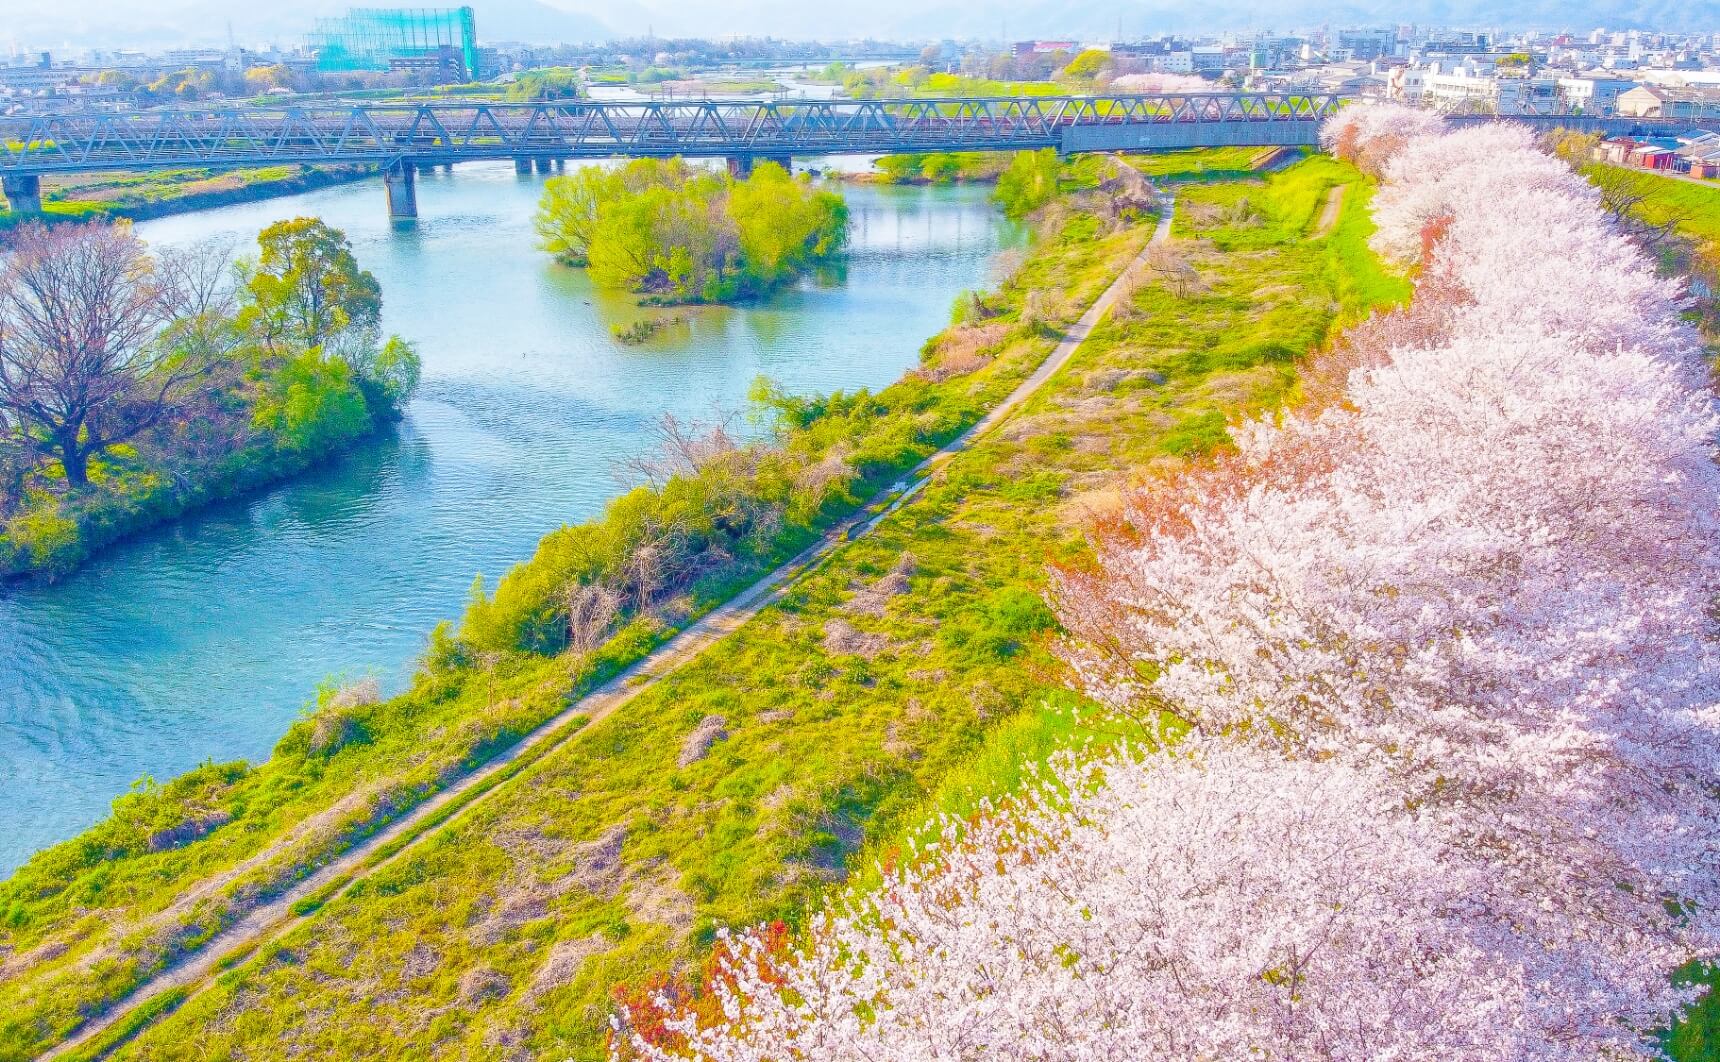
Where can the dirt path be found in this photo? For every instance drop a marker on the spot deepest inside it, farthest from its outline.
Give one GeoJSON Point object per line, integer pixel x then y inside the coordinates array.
{"type": "Point", "coordinates": [233, 944]}
{"type": "Point", "coordinates": [1329, 214]}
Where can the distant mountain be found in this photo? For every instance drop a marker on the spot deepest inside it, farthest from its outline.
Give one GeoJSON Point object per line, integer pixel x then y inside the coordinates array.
{"type": "Point", "coordinates": [164, 23]}
{"type": "Point", "coordinates": [1018, 19]}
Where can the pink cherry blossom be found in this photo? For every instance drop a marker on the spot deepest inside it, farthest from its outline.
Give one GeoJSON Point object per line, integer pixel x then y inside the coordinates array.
{"type": "Point", "coordinates": [1430, 663]}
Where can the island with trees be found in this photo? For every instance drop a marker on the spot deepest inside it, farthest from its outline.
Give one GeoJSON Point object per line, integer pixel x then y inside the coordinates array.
{"type": "Point", "coordinates": [675, 233]}
{"type": "Point", "coordinates": [136, 384]}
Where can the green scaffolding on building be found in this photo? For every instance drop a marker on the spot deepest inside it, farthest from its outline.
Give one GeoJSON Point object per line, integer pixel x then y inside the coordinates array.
{"type": "Point", "coordinates": [387, 38]}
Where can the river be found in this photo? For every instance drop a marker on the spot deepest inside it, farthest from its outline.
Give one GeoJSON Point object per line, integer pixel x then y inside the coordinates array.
{"type": "Point", "coordinates": [202, 640]}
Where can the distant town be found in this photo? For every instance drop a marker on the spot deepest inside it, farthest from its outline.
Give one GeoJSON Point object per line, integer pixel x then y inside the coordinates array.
{"type": "Point", "coordinates": [403, 54]}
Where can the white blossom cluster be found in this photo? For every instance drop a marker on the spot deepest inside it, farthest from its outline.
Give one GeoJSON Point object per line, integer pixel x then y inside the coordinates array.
{"type": "Point", "coordinates": [1441, 645]}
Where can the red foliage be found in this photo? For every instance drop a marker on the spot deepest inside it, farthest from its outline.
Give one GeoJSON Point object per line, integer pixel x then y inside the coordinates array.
{"type": "Point", "coordinates": [646, 1009]}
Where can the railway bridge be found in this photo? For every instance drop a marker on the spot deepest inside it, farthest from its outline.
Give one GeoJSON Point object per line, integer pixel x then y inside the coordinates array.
{"type": "Point", "coordinates": [401, 138]}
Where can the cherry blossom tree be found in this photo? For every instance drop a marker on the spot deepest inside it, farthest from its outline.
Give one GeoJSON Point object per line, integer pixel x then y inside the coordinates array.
{"type": "Point", "coordinates": [1431, 668]}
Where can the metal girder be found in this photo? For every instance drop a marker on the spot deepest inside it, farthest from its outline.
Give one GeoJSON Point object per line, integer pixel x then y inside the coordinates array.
{"type": "Point", "coordinates": [382, 134]}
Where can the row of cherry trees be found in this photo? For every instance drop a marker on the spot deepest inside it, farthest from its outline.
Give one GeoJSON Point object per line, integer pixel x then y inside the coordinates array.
{"type": "Point", "coordinates": [1438, 647]}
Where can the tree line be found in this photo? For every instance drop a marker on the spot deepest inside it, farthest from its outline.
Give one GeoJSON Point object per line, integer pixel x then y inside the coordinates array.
{"type": "Point", "coordinates": [1421, 681]}
{"type": "Point", "coordinates": [136, 379]}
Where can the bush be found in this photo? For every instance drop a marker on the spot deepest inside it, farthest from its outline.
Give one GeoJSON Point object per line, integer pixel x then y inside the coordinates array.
{"type": "Point", "coordinates": [662, 228]}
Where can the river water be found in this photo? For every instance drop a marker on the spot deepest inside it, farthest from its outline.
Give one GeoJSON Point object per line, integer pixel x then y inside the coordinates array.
{"type": "Point", "coordinates": [205, 638]}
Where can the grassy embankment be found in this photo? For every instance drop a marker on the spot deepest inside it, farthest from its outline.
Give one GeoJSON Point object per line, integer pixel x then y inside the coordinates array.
{"type": "Point", "coordinates": [84, 922]}
{"type": "Point", "coordinates": [906, 674]}
{"type": "Point", "coordinates": [158, 193]}
{"type": "Point", "coordinates": [960, 167]}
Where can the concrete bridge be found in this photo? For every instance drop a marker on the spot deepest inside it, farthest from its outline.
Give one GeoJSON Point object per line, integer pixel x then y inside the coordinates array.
{"type": "Point", "coordinates": [400, 138]}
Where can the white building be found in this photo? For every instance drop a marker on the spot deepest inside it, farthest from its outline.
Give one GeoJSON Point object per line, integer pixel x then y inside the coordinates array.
{"type": "Point", "coordinates": [1593, 94]}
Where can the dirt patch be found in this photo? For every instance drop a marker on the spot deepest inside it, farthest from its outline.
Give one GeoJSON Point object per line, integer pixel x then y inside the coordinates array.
{"type": "Point", "coordinates": [1091, 507]}
{"type": "Point", "coordinates": [421, 961]}
{"type": "Point", "coordinates": [842, 638]}
{"type": "Point", "coordinates": [481, 984]}
{"type": "Point", "coordinates": [776, 715]}
{"type": "Point", "coordinates": [563, 964]}
{"type": "Point", "coordinates": [527, 843]}
{"type": "Point", "coordinates": [874, 599]}
{"type": "Point", "coordinates": [597, 869]}
{"type": "Point", "coordinates": [698, 744]}
{"type": "Point", "coordinates": [191, 829]}
{"type": "Point", "coordinates": [896, 745]}
{"type": "Point", "coordinates": [47, 951]}
{"type": "Point", "coordinates": [1329, 215]}
{"type": "Point", "coordinates": [654, 894]}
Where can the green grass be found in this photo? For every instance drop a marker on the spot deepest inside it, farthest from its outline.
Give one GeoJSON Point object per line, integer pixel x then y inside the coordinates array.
{"type": "Point", "coordinates": [100, 912]}
{"type": "Point", "coordinates": [149, 193]}
{"type": "Point", "coordinates": [1210, 164]}
{"type": "Point", "coordinates": [1696, 206]}
{"type": "Point", "coordinates": [847, 725]}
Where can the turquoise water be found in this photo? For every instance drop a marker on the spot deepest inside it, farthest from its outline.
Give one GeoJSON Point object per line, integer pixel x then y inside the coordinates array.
{"type": "Point", "coordinates": [203, 639]}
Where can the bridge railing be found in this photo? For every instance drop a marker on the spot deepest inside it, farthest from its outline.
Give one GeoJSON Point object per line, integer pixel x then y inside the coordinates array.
{"type": "Point", "coordinates": [384, 133]}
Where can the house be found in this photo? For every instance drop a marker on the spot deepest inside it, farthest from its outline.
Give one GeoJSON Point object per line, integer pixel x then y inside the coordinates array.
{"type": "Point", "coordinates": [1661, 101]}
{"type": "Point", "coordinates": [1698, 154]}
{"type": "Point", "coordinates": [1650, 157]}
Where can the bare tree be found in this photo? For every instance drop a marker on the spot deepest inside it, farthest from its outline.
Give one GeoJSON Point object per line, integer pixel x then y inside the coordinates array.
{"type": "Point", "coordinates": [81, 368]}
{"type": "Point", "coordinates": [682, 448]}
{"type": "Point", "coordinates": [198, 280]}
{"type": "Point", "coordinates": [1171, 267]}
{"type": "Point", "coordinates": [591, 611]}
{"type": "Point", "coordinates": [1624, 192]}
{"type": "Point", "coordinates": [198, 288]}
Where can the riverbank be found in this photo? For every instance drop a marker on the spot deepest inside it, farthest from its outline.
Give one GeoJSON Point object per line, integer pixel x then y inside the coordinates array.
{"type": "Point", "coordinates": [53, 538]}
{"type": "Point", "coordinates": [231, 385]}
{"type": "Point", "coordinates": [870, 682]}
{"type": "Point", "coordinates": [205, 637]}
{"type": "Point", "coordinates": [154, 194]}
{"type": "Point", "coordinates": [475, 698]}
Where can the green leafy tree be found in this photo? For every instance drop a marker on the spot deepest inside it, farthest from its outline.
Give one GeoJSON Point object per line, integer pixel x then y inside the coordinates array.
{"type": "Point", "coordinates": [566, 216]}
{"type": "Point", "coordinates": [1087, 65]}
{"type": "Point", "coordinates": [311, 403]}
{"type": "Point", "coordinates": [1029, 183]}
{"type": "Point", "coordinates": [551, 83]}
{"type": "Point", "coordinates": [783, 224]}
{"type": "Point", "coordinates": [305, 296]}
{"type": "Point", "coordinates": [306, 290]}
{"type": "Point", "coordinates": [664, 228]}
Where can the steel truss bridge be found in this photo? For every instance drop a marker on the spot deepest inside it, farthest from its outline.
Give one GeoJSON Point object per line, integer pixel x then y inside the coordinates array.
{"type": "Point", "coordinates": [399, 138]}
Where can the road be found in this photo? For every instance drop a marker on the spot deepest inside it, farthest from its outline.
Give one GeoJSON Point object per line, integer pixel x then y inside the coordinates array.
{"type": "Point", "coordinates": [264, 923]}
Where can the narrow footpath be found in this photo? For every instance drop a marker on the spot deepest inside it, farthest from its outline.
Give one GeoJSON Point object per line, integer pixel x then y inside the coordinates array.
{"type": "Point", "coordinates": [234, 944]}
{"type": "Point", "coordinates": [1329, 215]}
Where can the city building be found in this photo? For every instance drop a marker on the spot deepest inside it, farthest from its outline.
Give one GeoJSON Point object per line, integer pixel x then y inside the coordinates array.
{"type": "Point", "coordinates": [439, 42]}
{"type": "Point", "coordinates": [1659, 101]}
{"type": "Point", "coordinates": [1594, 94]}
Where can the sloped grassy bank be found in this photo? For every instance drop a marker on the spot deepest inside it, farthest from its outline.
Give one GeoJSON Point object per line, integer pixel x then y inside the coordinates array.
{"type": "Point", "coordinates": [882, 684]}
{"type": "Point", "coordinates": [86, 921]}
{"type": "Point", "coordinates": [162, 193]}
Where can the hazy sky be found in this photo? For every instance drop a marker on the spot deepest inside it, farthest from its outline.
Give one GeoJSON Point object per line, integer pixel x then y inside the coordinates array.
{"type": "Point", "coordinates": [157, 23]}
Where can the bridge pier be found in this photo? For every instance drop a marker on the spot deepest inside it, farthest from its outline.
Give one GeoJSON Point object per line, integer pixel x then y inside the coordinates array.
{"type": "Point", "coordinates": [522, 167]}
{"type": "Point", "coordinates": [401, 182]}
{"type": "Point", "coordinates": [741, 166]}
{"type": "Point", "coordinates": [23, 193]}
